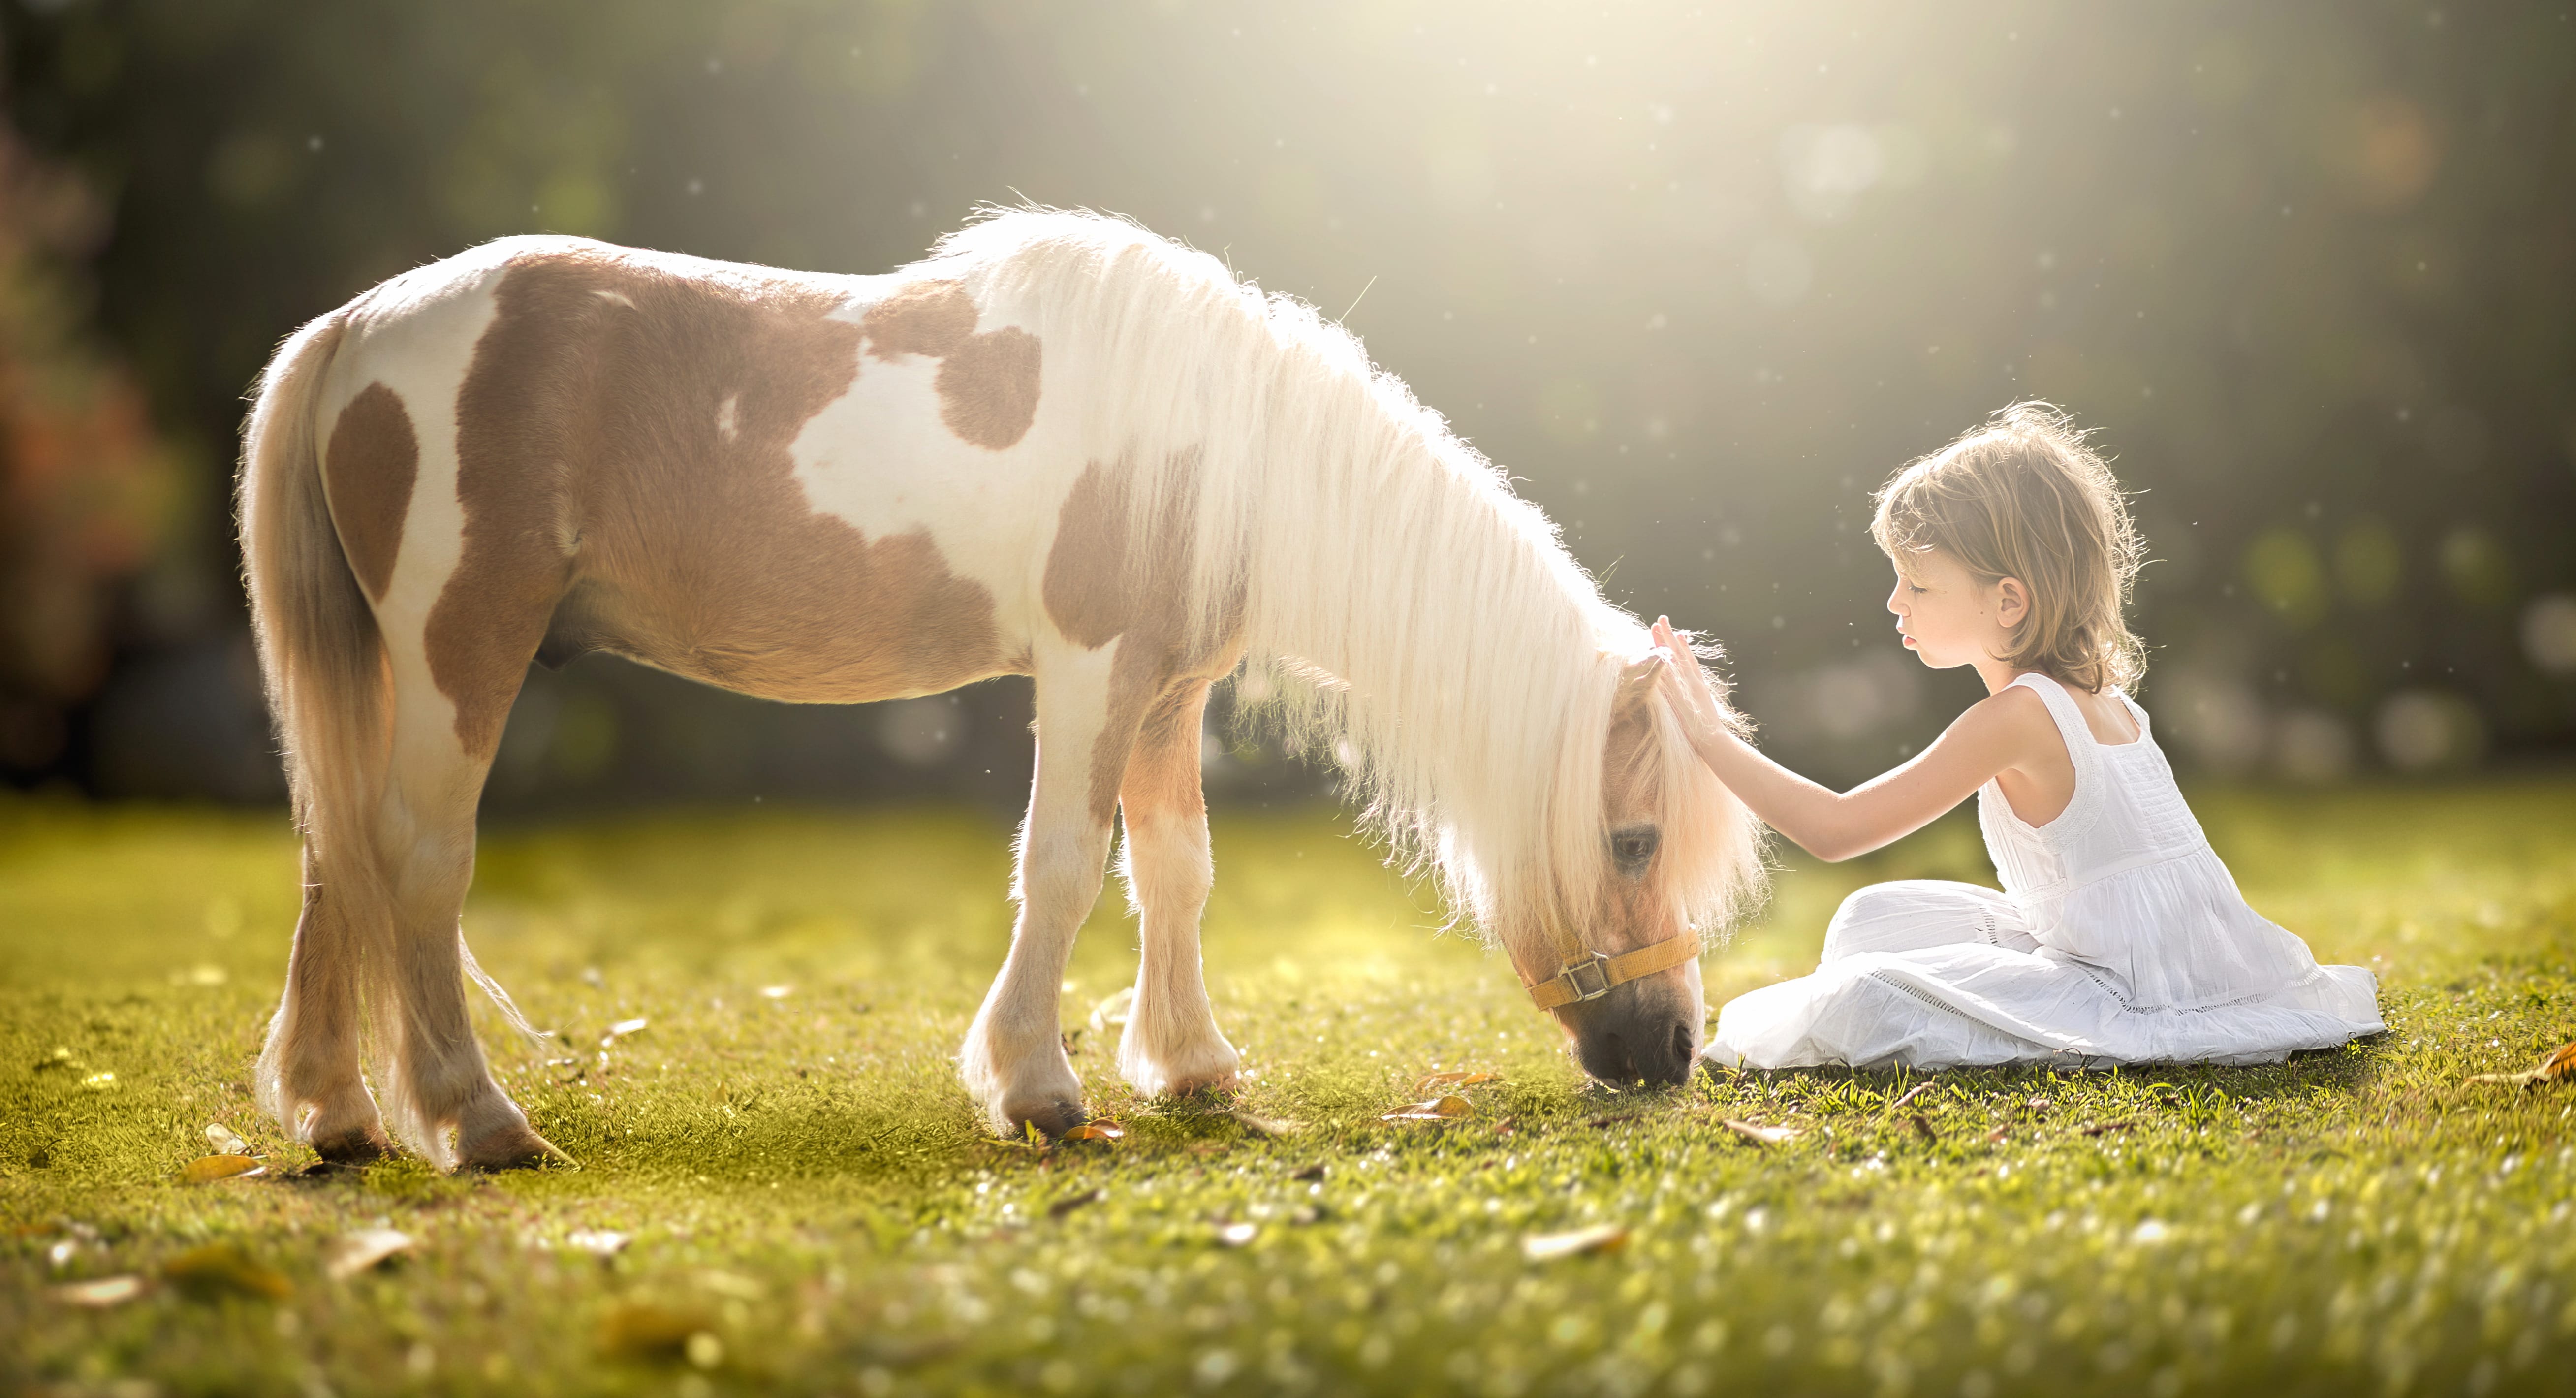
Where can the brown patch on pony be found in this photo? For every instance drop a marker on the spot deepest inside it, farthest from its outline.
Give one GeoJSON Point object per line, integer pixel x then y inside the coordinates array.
{"type": "Point", "coordinates": [606, 508]}
{"type": "Point", "coordinates": [988, 383]}
{"type": "Point", "coordinates": [1102, 584]}
{"type": "Point", "coordinates": [930, 318]}
{"type": "Point", "coordinates": [368, 472]}
{"type": "Point", "coordinates": [988, 387]}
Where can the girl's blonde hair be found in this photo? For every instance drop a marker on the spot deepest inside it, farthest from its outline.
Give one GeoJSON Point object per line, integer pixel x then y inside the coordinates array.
{"type": "Point", "coordinates": [2024, 497]}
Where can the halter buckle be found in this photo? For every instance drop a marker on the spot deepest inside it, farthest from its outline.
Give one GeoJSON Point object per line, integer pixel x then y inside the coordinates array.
{"type": "Point", "coordinates": [1573, 976]}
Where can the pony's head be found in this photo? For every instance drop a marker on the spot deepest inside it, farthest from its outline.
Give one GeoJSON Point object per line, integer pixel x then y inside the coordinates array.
{"type": "Point", "coordinates": [1654, 853]}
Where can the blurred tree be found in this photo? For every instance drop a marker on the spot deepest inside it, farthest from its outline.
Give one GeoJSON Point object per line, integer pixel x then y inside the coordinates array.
{"type": "Point", "coordinates": [88, 492]}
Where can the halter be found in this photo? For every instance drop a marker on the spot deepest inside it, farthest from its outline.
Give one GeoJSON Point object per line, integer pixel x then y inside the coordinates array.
{"type": "Point", "coordinates": [1584, 974]}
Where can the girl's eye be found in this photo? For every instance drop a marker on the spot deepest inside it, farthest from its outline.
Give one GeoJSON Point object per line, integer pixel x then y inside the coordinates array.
{"type": "Point", "coordinates": [1917, 591]}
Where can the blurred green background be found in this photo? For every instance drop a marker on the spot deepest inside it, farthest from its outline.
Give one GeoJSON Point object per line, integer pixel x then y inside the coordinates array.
{"type": "Point", "coordinates": [1699, 275]}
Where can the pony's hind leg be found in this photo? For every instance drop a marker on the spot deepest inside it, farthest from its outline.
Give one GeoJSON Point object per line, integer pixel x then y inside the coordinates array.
{"type": "Point", "coordinates": [1013, 1059]}
{"type": "Point", "coordinates": [1172, 1043]}
{"type": "Point", "coordinates": [441, 1083]}
{"type": "Point", "coordinates": [309, 1073]}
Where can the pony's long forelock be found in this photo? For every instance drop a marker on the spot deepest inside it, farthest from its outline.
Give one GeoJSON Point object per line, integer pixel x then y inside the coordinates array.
{"type": "Point", "coordinates": [1402, 609]}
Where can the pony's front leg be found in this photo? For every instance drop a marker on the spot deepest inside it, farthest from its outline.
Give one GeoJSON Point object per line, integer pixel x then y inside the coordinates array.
{"type": "Point", "coordinates": [1013, 1059]}
{"type": "Point", "coordinates": [1172, 1044]}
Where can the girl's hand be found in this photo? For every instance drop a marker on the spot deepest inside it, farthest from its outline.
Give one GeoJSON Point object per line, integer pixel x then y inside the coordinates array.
{"type": "Point", "coordinates": [1685, 686]}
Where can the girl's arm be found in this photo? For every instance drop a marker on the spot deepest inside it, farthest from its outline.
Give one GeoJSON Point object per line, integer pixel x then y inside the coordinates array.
{"type": "Point", "coordinates": [2006, 730]}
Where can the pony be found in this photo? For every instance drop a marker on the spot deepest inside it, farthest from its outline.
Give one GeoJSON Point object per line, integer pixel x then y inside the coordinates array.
{"type": "Point", "coordinates": [1058, 446]}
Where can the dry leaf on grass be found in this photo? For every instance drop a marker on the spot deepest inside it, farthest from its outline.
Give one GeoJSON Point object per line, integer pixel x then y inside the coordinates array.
{"type": "Point", "coordinates": [1264, 1125]}
{"type": "Point", "coordinates": [206, 1169]}
{"type": "Point", "coordinates": [2556, 1067]}
{"type": "Point", "coordinates": [2104, 1127]}
{"type": "Point", "coordinates": [1761, 1135]}
{"type": "Point", "coordinates": [1451, 1108]}
{"type": "Point", "coordinates": [99, 1293]}
{"type": "Point", "coordinates": [1909, 1095]}
{"type": "Point", "coordinates": [1428, 1083]}
{"type": "Point", "coordinates": [224, 1141]}
{"type": "Point", "coordinates": [1102, 1130]}
{"type": "Point", "coordinates": [351, 1253]}
{"type": "Point", "coordinates": [224, 1269]}
{"type": "Point", "coordinates": [1923, 1128]}
{"type": "Point", "coordinates": [598, 1242]}
{"type": "Point", "coordinates": [1071, 1202]}
{"type": "Point", "coordinates": [1542, 1247]}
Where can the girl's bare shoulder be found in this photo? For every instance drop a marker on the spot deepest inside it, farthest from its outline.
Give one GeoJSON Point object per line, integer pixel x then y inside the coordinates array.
{"type": "Point", "coordinates": [2013, 718]}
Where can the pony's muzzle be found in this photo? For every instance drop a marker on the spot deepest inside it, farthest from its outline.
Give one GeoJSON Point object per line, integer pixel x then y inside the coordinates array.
{"type": "Point", "coordinates": [1645, 1031]}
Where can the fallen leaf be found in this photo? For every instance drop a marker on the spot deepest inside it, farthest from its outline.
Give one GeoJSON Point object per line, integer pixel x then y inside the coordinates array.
{"type": "Point", "coordinates": [2037, 1104]}
{"type": "Point", "coordinates": [2101, 1127]}
{"type": "Point", "coordinates": [351, 1253]}
{"type": "Point", "coordinates": [638, 1331]}
{"type": "Point", "coordinates": [1909, 1095]}
{"type": "Point", "coordinates": [1101, 1130]}
{"type": "Point", "coordinates": [1923, 1128]}
{"type": "Point", "coordinates": [1998, 1135]}
{"type": "Point", "coordinates": [598, 1242]}
{"type": "Point", "coordinates": [1760, 1135]}
{"type": "Point", "coordinates": [1311, 1172]}
{"type": "Point", "coordinates": [2555, 1067]}
{"type": "Point", "coordinates": [224, 1269]}
{"type": "Point", "coordinates": [100, 1293]}
{"type": "Point", "coordinates": [1264, 1125]}
{"type": "Point", "coordinates": [225, 1142]}
{"type": "Point", "coordinates": [1544, 1247]}
{"type": "Point", "coordinates": [1071, 1202]}
{"type": "Point", "coordinates": [1423, 1086]}
{"type": "Point", "coordinates": [206, 1169]}
{"type": "Point", "coordinates": [1235, 1235]}
{"type": "Point", "coordinates": [1116, 1008]}
{"type": "Point", "coordinates": [1450, 1108]}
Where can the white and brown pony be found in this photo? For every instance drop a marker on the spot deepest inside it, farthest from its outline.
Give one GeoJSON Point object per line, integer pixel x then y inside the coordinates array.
{"type": "Point", "coordinates": [1059, 447]}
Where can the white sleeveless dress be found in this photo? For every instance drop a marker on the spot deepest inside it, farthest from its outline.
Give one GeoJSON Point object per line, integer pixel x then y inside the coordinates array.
{"type": "Point", "coordinates": [2119, 938]}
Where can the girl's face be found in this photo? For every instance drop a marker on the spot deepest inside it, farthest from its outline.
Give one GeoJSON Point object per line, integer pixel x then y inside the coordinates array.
{"type": "Point", "coordinates": [1948, 616]}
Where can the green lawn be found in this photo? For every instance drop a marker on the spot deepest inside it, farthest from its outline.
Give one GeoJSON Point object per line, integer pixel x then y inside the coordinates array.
{"type": "Point", "coordinates": [811, 1204]}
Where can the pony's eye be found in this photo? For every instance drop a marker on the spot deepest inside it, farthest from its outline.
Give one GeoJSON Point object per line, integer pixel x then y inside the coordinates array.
{"type": "Point", "coordinates": [1631, 849]}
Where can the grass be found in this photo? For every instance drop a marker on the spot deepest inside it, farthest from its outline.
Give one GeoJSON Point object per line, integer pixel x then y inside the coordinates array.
{"type": "Point", "coordinates": [812, 1205]}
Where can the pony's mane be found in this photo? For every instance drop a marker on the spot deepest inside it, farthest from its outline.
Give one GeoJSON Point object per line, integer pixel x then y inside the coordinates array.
{"type": "Point", "coordinates": [1404, 609]}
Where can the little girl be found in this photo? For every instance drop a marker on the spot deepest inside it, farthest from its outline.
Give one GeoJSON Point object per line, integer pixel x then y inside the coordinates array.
{"type": "Point", "coordinates": [2119, 936]}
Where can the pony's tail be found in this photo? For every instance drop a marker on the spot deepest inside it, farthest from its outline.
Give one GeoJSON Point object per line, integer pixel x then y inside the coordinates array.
{"type": "Point", "coordinates": [330, 694]}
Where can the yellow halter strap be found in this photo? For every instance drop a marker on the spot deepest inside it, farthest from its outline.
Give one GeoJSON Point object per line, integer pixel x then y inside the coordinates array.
{"type": "Point", "coordinates": [1585, 974]}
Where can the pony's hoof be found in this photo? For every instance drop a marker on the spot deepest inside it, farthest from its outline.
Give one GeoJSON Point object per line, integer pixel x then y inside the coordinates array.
{"type": "Point", "coordinates": [514, 1148]}
{"type": "Point", "coordinates": [364, 1145]}
{"type": "Point", "coordinates": [1206, 1084]}
{"type": "Point", "coordinates": [1054, 1116]}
